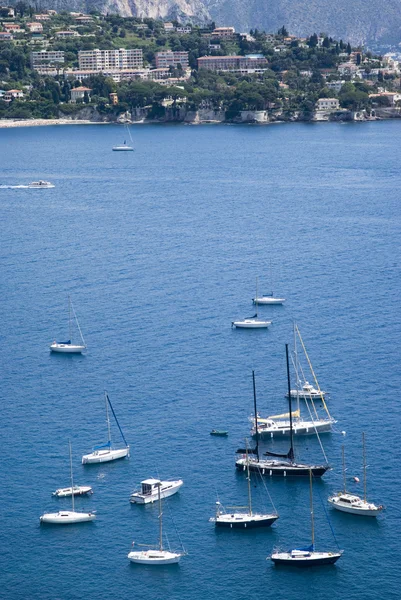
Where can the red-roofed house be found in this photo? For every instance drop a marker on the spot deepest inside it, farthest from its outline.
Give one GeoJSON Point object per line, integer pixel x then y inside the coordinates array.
{"type": "Point", "coordinates": [79, 93]}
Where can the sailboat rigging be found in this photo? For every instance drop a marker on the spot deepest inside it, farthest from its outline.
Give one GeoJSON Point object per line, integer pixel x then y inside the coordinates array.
{"type": "Point", "coordinates": [106, 452]}
{"type": "Point", "coordinates": [268, 298]}
{"type": "Point", "coordinates": [278, 468]}
{"type": "Point", "coordinates": [243, 520]}
{"type": "Point", "coordinates": [350, 503]}
{"type": "Point", "coordinates": [68, 517]}
{"type": "Point", "coordinates": [68, 347]}
{"type": "Point", "coordinates": [252, 322]}
{"type": "Point", "coordinates": [307, 556]}
{"type": "Point", "coordinates": [279, 425]}
{"type": "Point", "coordinates": [156, 556]}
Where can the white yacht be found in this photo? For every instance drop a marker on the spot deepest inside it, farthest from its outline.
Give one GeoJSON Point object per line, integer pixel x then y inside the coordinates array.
{"type": "Point", "coordinates": [277, 426]}
{"type": "Point", "coordinates": [106, 452]}
{"type": "Point", "coordinates": [149, 491]}
{"type": "Point", "coordinates": [68, 347]}
{"type": "Point", "coordinates": [350, 503]}
{"type": "Point", "coordinates": [77, 490]}
{"type": "Point", "coordinates": [41, 185]}
{"type": "Point", "coordinates": [307, 390]}
{"type": "Point", "coordinates": [268, 299]}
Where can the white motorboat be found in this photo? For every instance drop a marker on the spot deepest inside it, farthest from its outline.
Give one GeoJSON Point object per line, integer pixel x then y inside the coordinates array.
{"type": "Point", "coordinates": [77, 490]}
{"type": "Point", "coordinates": [106, 452]}
{"type": "Point", "coordinates": [68, 347]}
{"type": "Point", "coordinates": [252, 322]}
{"type": "Point", "coordinates": [268, 299]}
{"type": "Point", "coordinates": [351, 503]}
{"type": "Point", "coordinates": [40, 185]}
{"type": "Point", "coordinates": [156, 556]}
{"type": "Point", "coordinates": [242, 520]}
{"type": "Point", "coordinates": [308, 556]}
{"type": "Point", "coordinates": [124, 147]}
{"type": "Point", "coordinates": [149, 491]}
{"type": "Point", "coordinates": [68, 517]}
{"type": "Point", "coordinates": [306, 390]}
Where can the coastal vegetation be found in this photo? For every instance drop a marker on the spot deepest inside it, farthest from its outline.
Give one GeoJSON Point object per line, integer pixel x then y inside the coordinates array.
{"type": "Point", "coordinates": [298, 72]}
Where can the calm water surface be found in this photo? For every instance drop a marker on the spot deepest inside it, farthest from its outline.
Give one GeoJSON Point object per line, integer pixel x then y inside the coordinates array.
{"type": "Point", "coordinates": [160, 249]}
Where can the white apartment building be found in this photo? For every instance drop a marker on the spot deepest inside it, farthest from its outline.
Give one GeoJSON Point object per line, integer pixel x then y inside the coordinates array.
{"type": "Point", "coordinates": [103, 60]}
{"type": "Point", "coordinates": [171, 59]}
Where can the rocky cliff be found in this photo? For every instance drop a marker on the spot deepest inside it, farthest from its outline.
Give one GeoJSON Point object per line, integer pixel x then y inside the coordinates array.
{"type": "Point", "coordinates": [357, 21]}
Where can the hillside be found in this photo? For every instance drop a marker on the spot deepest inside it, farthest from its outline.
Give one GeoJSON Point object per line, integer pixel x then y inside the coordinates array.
{"type": "Point", "coordinates": [359, 21]}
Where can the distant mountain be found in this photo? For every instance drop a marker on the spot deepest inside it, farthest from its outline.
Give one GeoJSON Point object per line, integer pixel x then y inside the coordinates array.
{"type": "Point", "coordinates": [358, 21]}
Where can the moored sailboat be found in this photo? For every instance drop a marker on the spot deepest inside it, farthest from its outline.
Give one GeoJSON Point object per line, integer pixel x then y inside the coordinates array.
{"type": "Point", "coordinates": [287, 466]}
{"type": "Point", "coordinates": [106, 452]}
{"type": "Point", "coordinates": [252, 322]}
{"type": "Point", "coordinates": [243, 520]}
{"type": "Point", "coordinates": [159, 555]}
{"type": "Point", "coordinates": [68, 347]}
{"type": "Point", "coordinates": [351, 503]}
{"type": "Point", "coordinates": [307, 556]}
{"type": "Point", "coordinates": [68, 517]}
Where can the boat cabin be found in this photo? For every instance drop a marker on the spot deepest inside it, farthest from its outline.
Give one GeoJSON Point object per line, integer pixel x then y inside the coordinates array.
{"type": "Point", "coordinates": [149, 486]}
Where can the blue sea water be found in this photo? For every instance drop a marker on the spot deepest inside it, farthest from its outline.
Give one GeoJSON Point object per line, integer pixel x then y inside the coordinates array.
{"type": "Point", "coordinates": [160, 250]}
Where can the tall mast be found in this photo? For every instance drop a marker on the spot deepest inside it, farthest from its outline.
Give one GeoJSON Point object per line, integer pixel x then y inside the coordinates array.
{"type": "Point", "coordinates": [296, 366]}
{"type": "Point", "coordinates": [71, 477]}
{"type": "Point", "coordinates": [344, 477]}
{"type": "Point", "coordinates": [256, 297]}
{"type": "Point", "coordinates": [256, 415]}
{"type": "Point", "coordinates": [311, 508]}
{"type": "Point", "coordinates": [107, 419]}
{"type": "Point", "coordinates": [69, 317]}
{"type": "Point", "coordinates": [291, 452]}
{"type": "Point", "coordinates": [249, 480]}
{"type": "Point", "coordinates": [160, 516]}
{"type": "Point", "coordinates": [364, 465]}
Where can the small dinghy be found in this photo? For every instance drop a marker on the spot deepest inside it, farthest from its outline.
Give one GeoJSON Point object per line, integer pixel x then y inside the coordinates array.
{"type": "Point", "coordinates": [219, 432]}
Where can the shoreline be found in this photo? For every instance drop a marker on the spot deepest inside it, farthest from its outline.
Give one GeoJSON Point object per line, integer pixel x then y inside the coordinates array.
{"type": "Point", "coordinates": [10, 124]}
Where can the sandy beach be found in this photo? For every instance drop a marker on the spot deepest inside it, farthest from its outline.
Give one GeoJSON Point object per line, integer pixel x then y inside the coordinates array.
{"type": "Point", "coordinates": [8, 123]}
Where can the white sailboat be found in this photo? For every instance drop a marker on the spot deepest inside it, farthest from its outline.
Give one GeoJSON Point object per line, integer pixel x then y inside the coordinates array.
{"type": "Point", "coordinates": [350, 503]}
{"type": "Point", "coordinates": [68, 517]}
{"type": "Point", "coordinates": [268, 298]}
{"type": "Point", "coordinates": [252, 322]}
{"type": "Point", "coordinates": [242, 520]}
{"type": "Point", "coordinates": [106, 452]}
{"type": "Point", "coordinates": [279, 425]}
{"type": "Point", "coordinates": [124, 147]}
{"type": "Point", "coordinates": [150, 489]}
{"type": "Point", "coordinates": [156, 556]}
{"type": "Point", "coordinates": [68, 347]}
{"type": "Point", "coordinates": [307, 556]}
{"type": "Point", "coordinates": [304, 389]}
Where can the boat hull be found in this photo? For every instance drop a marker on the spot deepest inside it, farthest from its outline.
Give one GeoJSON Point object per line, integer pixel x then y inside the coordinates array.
{"type": "Point", "coordinates": [251, 324]}
{"type": "Point", "coordinates": [66, 517]}
{"type": "Point", "coordinates": [154, 557]}
{"type": "Point", "coordinates": [305, 428]}
{"type": "Point", "coordinates": [281, 469]}
{"type": "Point", "coordinates": [355, 510]}
{"type": "Point", "coordinates": [67, 348]}
{"type": "Point", "coordinates": [167, 489]}
{"type": "Point", "coordinates": [102, 456]}
{"type": "Point", "coordinates": [79, 490]}
{"type": "Point", "coordinates": [311, 559]}
{"type": "Point", "coordinates": [122, 149]}
{"type": "Point", "coordinates": [268, 300]}
{"type": "Point", "coordinates": [244, 521]}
